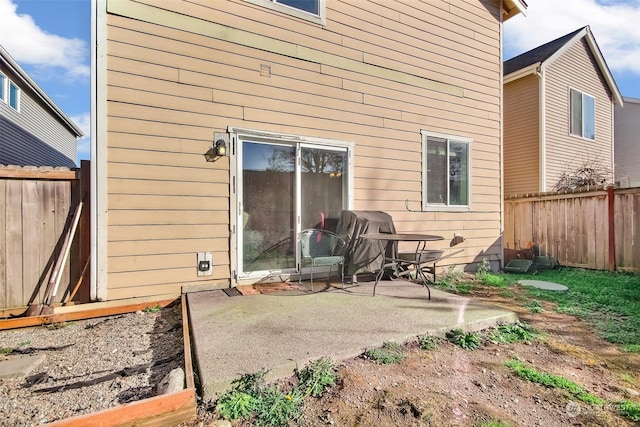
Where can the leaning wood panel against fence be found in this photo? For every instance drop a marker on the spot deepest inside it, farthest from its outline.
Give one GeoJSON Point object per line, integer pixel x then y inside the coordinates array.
{"type": "Point", "coordinates": [591, 229]}
{"type": "Point", "coordinates": [36, 205]}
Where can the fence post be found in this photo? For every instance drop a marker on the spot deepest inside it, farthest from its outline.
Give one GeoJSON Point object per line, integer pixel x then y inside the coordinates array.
{"type": "Point", "coordinates": [612, 229]}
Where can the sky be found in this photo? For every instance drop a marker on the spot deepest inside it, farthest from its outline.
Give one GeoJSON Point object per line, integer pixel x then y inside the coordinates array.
{"type": "Point", "coordinates": [50, 39]}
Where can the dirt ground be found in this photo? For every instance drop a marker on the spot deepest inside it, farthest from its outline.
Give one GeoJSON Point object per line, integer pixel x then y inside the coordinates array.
{"type": "Point", "coordinates": [450, 386]}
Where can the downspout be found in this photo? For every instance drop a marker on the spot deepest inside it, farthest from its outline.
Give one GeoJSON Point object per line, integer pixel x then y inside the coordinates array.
{"type": "Point", "coordinates": [541, 130]}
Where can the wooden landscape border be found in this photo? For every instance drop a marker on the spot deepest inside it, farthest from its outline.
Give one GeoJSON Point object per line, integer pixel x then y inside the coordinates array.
{"type": "Point", "coordinates": [164, 410]}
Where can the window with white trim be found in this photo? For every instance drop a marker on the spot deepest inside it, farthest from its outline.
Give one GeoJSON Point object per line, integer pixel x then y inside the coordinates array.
{"type": "Point", "coordinates": [582, 114]}
{"type": "Point", "coordinates": [312, 10]}
{"type": "Point", "coordinates": [447, 172]}
{"type": "Point", "coordinates": [3, 88]}
{"type": "Point", "coordinates": [14, 96]}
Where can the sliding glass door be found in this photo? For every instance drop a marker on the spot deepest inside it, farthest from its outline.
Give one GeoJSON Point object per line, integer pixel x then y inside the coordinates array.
{"type": "Point", "coordinates": [284, 188]}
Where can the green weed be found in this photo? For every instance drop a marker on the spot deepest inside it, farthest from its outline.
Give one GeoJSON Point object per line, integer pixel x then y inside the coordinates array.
{"type": "Point", "coordinates": [553, 381]}
{"type": "Point", "coordinates": [428, 342]}
{"type": "Point", "coordinates": [390, 352]}
{"type": "Point", "coordinates": [629, 410]}
{"type": "Point", "coordinates": [152, 309]}
{"type": "Point", "coordinates": [534, 306]}
{"type": "Point", "coordinates": [511, 333]}
{"type": "Point", "coordinates": [494, 423]}
{"type": "Point", "coordinates": [317, 376]}
{"type": "Point", "coordinates": [251, 398]}
{"type": "Point", "coordinates": [631, 348]}
{"type": "Point", "coordinates": [465, 340]}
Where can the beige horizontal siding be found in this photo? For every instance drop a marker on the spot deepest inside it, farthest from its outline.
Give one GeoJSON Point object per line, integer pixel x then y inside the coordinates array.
{"type": "Point", "coordinates": [577, 69]}
{"type": "Point", "coordinates": [522, 136]}
{"type": "Point", "coordinates": [170, 89]}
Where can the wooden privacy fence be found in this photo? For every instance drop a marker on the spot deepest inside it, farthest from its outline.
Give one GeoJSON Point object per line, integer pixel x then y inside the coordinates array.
{"type": "Point", "coordinates": [591, 229]}
{"type": "Point", "coordinates": [36, 212]}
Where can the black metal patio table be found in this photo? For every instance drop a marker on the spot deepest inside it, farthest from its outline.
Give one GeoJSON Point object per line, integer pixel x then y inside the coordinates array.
{"type": "Point", "coordinates": [400, 263]}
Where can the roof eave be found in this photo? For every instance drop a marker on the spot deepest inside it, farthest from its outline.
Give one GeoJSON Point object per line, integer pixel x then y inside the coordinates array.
{"type": "Point", "coordinates": [17, 70]}
{"type": "Point", "coordinates": [522, 72]}
{"type": "Point", "coordinates": [512, 8]}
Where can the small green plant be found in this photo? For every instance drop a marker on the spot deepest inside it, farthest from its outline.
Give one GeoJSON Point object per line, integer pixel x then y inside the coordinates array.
{"type": "Point", "coordinates": [495, 280]}
{"type": "Point", "coordinates": [235, 404]}
{"type": "Point", "coordinates": [390, 352]}
{"type": "Point", "coordinates": [511, 333]}
{"type": "Point", "coordinates": [631, 348]}
{"type": "Point", "coordinates": [534, 306]}
{"type": "Point", "coordinates": [465, 340]}
{"type": "Point", "coordinates": [494, 423]}
{"type": "Point", "coordinates": [277, 408]}
{"type": "Point", "coordinates": [484, 267]}
{"type": "Point", "coordinates": [60, 325]}
{"type": "Point", "coordinates": [428, 342]}
{"type": "Point", "coordinates": [317, 376]}
{"type": "Point", "coordinates": [451, 277]}
{"type": "Point", "coordinates": [5, 351]}
{"type": "Point", "coordinates": [152, 309]}
{"type": "Point", "coordinates": [553, 381]}
{"type": "Point", "coordinates": [629, 409]}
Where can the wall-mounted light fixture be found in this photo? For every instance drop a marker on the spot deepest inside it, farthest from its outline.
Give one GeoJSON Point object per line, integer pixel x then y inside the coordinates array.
{"type": "Point", "coordinates": [219, 149]}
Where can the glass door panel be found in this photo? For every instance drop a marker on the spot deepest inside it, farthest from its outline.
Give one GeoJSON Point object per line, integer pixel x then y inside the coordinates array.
{"type": "Point", "coordinates": [323, 188]}
{"type": "Point", "coordinates": [268, 203]}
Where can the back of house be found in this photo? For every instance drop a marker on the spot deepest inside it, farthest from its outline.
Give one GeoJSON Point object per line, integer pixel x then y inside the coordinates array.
{"type": "Point", "coordinates": [224, 128]}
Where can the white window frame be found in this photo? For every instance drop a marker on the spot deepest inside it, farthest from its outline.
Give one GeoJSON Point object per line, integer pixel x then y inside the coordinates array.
{"type": "Point", "coordinates": [583, 95]}
{"type": "Point", "coordinates": [237, 136]}
{"type": "Point", "coordinates": [426, 206]}
{"type": "Point", "coordinates": [18, 95]}
{"type": "Point", "coordinates": [3, 87]}
{"type": "Point", "coordinates": [319, 18]}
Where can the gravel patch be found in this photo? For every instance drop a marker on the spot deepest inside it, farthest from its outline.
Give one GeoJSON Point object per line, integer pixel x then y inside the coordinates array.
{"type": "Point", "coordinates": [125, 355]}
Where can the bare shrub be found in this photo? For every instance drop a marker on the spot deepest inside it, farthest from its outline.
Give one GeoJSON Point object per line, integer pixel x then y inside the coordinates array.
{"type": "Point", "coordinates": [590, 173]}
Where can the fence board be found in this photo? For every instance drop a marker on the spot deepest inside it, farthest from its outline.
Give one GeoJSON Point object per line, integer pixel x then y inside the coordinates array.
{"type": "Point", "coordinates": [574, 227]}
{"type": "Point", "coordinates": [13, 257]}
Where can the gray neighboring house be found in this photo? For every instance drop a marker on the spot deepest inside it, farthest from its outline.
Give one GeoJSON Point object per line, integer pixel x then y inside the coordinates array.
{"type": "Point", "coordinates": [627, 143]}
{"type": "Point", "coordinates": [33, 130]}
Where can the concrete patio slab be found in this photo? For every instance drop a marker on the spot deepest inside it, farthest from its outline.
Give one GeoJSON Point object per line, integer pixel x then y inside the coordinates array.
{"type": "Point", "coordinates": [279, 331]}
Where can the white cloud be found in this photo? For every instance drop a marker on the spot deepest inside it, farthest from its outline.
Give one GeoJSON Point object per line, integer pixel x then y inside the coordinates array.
{"type": "Point", "coordinates": [84, 145]}
{"type": "Point", "coordinates": [615, 25]}
{"type": "Point", "coordinates": [31, 45]}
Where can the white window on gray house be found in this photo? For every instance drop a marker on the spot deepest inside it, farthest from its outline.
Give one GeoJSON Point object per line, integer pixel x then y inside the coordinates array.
{"type": "Point", "coordinates": [583, 114]}
{"type": "Point", "coordinates": [312, 10]}
{"type": "Point", "coordinates": [14, 96]}
{"type": "Point", "coordinates": [3, 88]}
{"type": "Point", "coordinates": [447, 171]}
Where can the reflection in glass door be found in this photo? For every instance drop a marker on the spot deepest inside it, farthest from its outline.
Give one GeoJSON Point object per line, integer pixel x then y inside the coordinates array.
{"type": "Point", "coordinates": [285, 188]}
{"type": "Point", "coordinates": [323, 186]}
{"type": "Point", "coordinates": [268, 203]}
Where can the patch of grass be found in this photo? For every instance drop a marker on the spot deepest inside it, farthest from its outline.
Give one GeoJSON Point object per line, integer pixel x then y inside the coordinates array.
{"type": "Point", "coordinates": [629, 409]}
{"type": "Point", "coordinates": [465, 340]}
{"type": "Point", "coordinates": [507, 294]}
{"type": "Point", "coordinates": [511, 333]}
{"type": "Point", "coordinates": [390, 352]}
{"type": "Point", "coordinates": [428, 342]}
{"type": "Point", "coordinates": [553, 381]}
{"type": "Point", "coordinates": [495, 280]}
{"type": "Point", "coordinates": [494, 423]}
{"type": "Point", "coordinates": [631, 348]}
{"type": "Point", "coordinates": [276, 408]}
{"type": "Point", "coordinates": [609, 300]}
{"type": "Point", "coordinates": [317, 376]}
{"type": "Point", "coordinates": [534, 306]}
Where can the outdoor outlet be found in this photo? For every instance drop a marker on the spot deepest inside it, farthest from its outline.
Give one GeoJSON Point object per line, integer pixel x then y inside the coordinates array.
{"type": "Point", "coordinates": [205, 263]}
